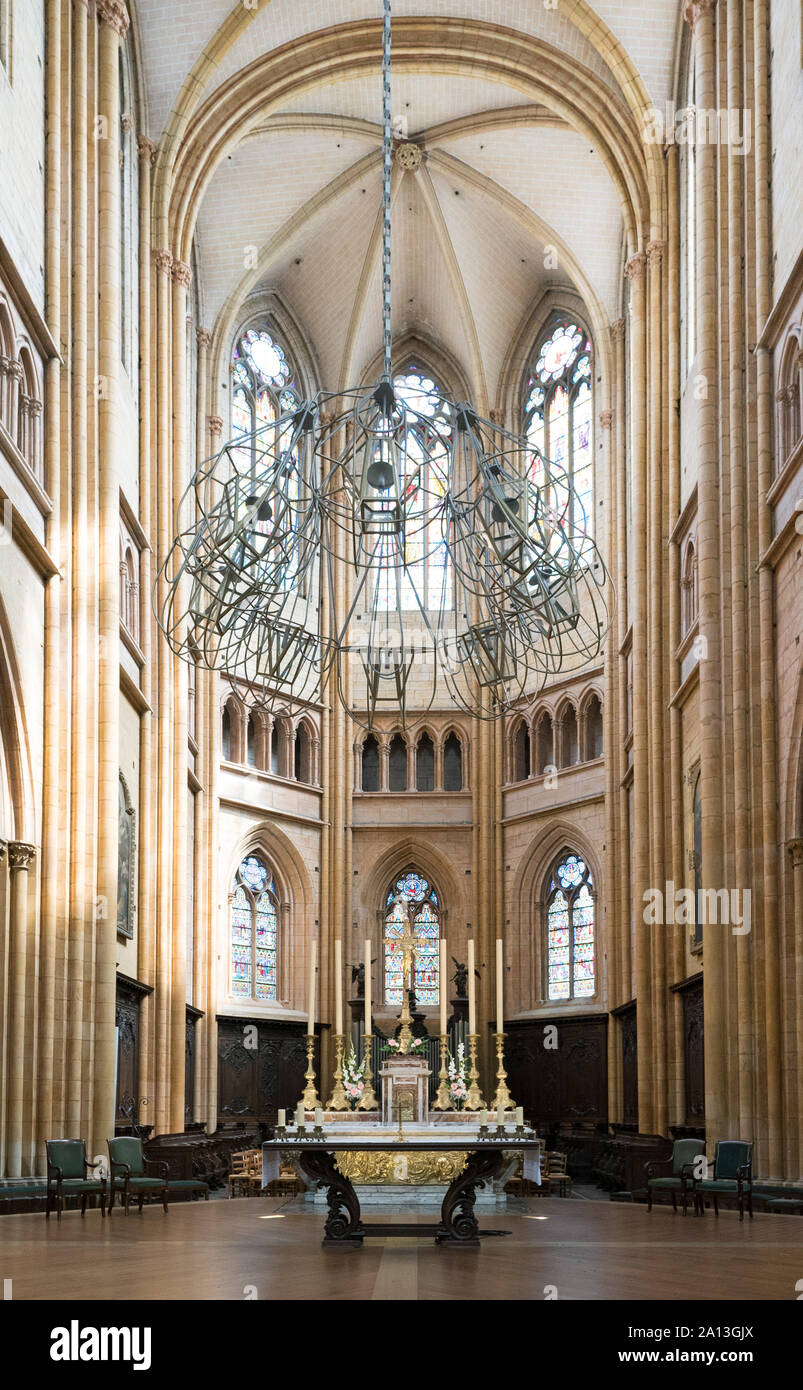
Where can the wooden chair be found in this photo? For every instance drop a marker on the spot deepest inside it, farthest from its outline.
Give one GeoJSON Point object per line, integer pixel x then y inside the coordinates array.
{"type": "Point", "coordinates": [557, 1174]}
{"type": "Point", "coordinates": [246, 1172]}
{"type": "Point", "coordinates": [67, 1167]}
{"type": "Point", "coordinates": [127, 1165]}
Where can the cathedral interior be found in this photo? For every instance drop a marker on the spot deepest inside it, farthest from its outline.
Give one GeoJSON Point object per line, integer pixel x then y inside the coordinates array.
{"type": "Point", "coordinates": [225, 886]}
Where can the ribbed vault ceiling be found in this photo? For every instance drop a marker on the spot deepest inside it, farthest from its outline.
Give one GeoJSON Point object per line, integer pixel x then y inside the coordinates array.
{"type": "Point", "coordinates": [508, 204]}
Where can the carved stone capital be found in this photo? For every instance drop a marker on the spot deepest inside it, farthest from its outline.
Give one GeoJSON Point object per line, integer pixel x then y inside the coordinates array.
{"type": "Point", "coordinates": [15, 369]}
{"type": "Point", "coordinates": [605, 419]}
{"type": "Point", "coordinates": [618, 330]}
{"type": "Point", "coordinates": [780, 395]}
{"type": "Point", "coordinates": [204, 337]}
{"type": "Point", "coordinates": [3, 848]}
{"type": "Point", "coordinates": [20, 855]}
{"type": "Point", "coordinates": [795, 851]}
{"type": "Point", "coordinates": [695, 9]}
{"type": "Point", "coordinates": [147, 149]}
{"type": "Point", "coordinates": [655, 252]}
{"type": "Point", "coordinates": [163, 262]}
{"type": "Point", "coordinates": [182, 273]}
{"type": "Point", "coordinates": [215, 424]}
{"type": "Point", "coordinates": [34, 407]}
{"type": "Point", "coordinates": [115, 14]}
{"type": "Point", "coordinates": [497, 417]}
{"type": "Point", "coordinates": [127, 122]}
{"type": "Point", "coordinates": [635, 266]}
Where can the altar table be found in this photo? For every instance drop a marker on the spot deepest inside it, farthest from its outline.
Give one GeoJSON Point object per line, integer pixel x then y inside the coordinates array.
{"type": "Point", "coordinates": [485, 1159]}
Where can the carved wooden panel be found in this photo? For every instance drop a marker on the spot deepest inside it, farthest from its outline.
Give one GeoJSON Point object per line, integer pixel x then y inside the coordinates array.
{"type": "Point", "coordinates": [563, 1083]}
{"type": "Point", "coordinates": [260, 1068]}
{"type": "Point", "coordinates": [627, 1021]}
{"type": "Point", "coordinates": [693, 1058]}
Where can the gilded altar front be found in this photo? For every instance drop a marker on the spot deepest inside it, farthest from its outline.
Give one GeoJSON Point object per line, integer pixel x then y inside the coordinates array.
{"type": "Point", "coordinates": [419, 1169]}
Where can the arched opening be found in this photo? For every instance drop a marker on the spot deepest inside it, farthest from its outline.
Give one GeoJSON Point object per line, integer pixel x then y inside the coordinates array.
{"type": "Point", "coordinates": [274, 749]}
{"type": "Point", "coordinates": [544, 744]}
{"type": "Point", "coordinates": [452, 764]}
{"type": "Point", "coordinates": [569, 902]}
{"type": "Point", "coordinates": [226, 735]}
{"type": "Point", "coordinates": [302, 755]}
{"type": "Point", "coordinates": [397, 764]}
{"type": "Point", "coordinates": [251, 742]}
{"type": "Point", "coordinates": [593, 729]}
{"type": "Point", "coordinates": [571, 750]}
{"type": "Point", "coordinates": [370, 765]}
{"type": "Point", "coordinates": [425, 764]}
{"type": "Point", "coordinates": [688, 615]}
{"type": "Point", "coordinates": [411, 896]}
{"type": "Point", "coordinates": [254, 929]}
{"type": "Point", "coordinates": [521, 752]}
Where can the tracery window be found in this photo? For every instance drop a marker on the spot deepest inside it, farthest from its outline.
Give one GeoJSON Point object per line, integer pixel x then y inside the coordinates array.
{"type": "Point", "coordinates": [426, 580]}
{"type": "Point", "coordinates": [424, 909]}
{"type": "Point", "coordinates": [263, 389]}
{"type": "Point", "coordinates": [558, 413]}
{"type": "Point", "coordinates": [254, 926]}
{"type": "Point", "coordinates": [570, 929]}
{"type": "Point", "coordinates": [689, 589]}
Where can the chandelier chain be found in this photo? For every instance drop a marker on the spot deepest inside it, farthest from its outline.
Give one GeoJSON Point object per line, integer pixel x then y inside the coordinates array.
{"type": "Point", "coordinates": [387, 152]}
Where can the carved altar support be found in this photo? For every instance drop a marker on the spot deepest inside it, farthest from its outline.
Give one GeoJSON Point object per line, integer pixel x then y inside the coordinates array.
{"type": "Point", "coordinates": [405, 1082]}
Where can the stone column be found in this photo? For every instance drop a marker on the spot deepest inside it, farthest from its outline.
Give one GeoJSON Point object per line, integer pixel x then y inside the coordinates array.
{"type": "Point", "coordinates": [640, 868]}
{"type": "Point", "coordinates": [19, 1068]}
{"type": "Point", "coordinates": [164, 522]}
{"type": "Point", "coordinates": [384, 761]}
{"type": "Point", "coordinates": [615, 750]}
{"type": "Point", "coordinates": [795, 851]}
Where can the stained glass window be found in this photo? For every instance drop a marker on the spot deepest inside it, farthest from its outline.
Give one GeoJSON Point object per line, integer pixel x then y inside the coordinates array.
{"type": "Point", "coordinates": [426, 580]}
{"type": "Point", "coordinates": [421, 902]}
{"type": "Point", "coordinates": [570, 929]}
{"type": "Point", "coordinates": [254, 921]}
{"type": "Point", "coordinates": [263, 389]}
{"type": "Point", "coordinates": [559, 413]}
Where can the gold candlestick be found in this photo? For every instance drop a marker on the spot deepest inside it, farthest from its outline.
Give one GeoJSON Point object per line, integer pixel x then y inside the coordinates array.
{"type": "Point", "coordinates": [338, 1099]}
{"type": "Point", "coordinates": [309, 1099]}
{"type": "Point", "coordinates": [369, 1100]}
{"type": "Point", "coordinates": [503, 1096]}
{"type": "Point", "coordinates": [474, 1100]}
{"type": "Point", "coordinates": [444, 1100]}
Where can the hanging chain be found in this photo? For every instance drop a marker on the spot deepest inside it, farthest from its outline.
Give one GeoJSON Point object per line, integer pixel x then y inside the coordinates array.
{"type": "Point", "coordinates": [387, 152]}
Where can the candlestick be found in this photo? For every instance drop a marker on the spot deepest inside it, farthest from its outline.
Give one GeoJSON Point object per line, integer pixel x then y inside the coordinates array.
{"type": "Point", "coordinates": [474, 1100]}
{"type": "Point", "coordinates": [338, 1099]}
{"type": "Point", "coordinates": [503, 1097]}
{"type": "Point", "coordinates": [368, 1100]}
{"type": "Point", "coordinates": [311, 1000]}
{"type": "Point", "coordinates": [472, 1003]}
{"type": "Point", "coordinates": [338, 987]}
{"type": "Point", "coordinates": [369, 1025]}
{"type": "Point", "coordinates": [310, 1098]}
{"type": "Point", "coordinates": [500, 1007]}
{"type": "Point", "coordinates": [442, 983]}
{"type": "Point", "coordinates": [443, 1100]}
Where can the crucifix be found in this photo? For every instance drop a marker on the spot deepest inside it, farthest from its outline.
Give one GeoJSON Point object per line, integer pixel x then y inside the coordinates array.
{"type": "Point", "coordinates": [408, 943]}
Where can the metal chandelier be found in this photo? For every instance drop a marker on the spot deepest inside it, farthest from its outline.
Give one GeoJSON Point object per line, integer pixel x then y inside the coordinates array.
{"type": "Point", "coordinates": [297, 563]}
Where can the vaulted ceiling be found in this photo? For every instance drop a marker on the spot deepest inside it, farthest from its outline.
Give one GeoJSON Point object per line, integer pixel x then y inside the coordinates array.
{"type": "Point", "coordinates": [512, 199]}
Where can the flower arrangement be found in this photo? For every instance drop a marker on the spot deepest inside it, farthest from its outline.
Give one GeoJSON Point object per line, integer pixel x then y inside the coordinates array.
{"type": "Point", "coordinates": [353, 1078]}
{"type": "Point", "coordinates": [458, 1077]}
{"type": "Point", "coordinates": [415, 1045]}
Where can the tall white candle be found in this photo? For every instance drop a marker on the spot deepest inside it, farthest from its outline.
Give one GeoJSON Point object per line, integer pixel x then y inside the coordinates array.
{"type": "Point", "coordinates": [500, 1007]}
{"type": "Point", "coordinates": [311, 1001]}
{"type": "Point", "coordinates": [442, 984]}
{"type": "Point", "coordinates": [500, 1116]}
{"type": "Point", "coordinates": [281, 1118]}
{"type": "Point", "coordinates": [472, 1004]}
{"type": "Point", "coordinates": [368, 1000]}
{"type": "Point", "coordinates": [520, 1115]}
{"type": "Point", "coordinates": [338, 986]}
{"type": "Point", "coordinates": [318, 1117]}
{"type": "Point", "coordinates": [300, 1117]}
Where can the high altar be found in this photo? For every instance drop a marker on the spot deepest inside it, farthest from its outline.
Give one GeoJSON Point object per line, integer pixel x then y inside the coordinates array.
{"type": "Point", "coordinates": [406, 1117]}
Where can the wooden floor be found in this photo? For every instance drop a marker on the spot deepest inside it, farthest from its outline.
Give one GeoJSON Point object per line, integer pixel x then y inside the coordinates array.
{"type": "Point", "coordinates": [269, 1249]}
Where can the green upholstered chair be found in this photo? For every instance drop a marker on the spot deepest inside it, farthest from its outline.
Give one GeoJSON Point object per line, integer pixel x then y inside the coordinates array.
{"type": "Point", "coordinates": [67, 1176]}
{"type": "Point", "coordinates": [128, 1177]}
{"type": "Point", "coordinates": [733, 1176]}
{"type": "Point", "coordinates": [674, 1175]}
